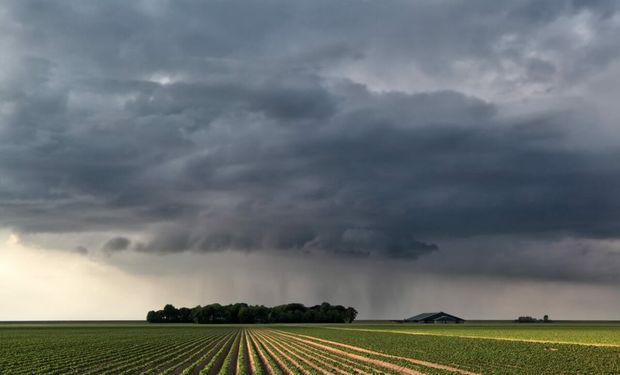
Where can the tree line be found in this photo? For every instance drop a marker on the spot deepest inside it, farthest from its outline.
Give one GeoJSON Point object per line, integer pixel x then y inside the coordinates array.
{"type": "Point", "coordinates": [248, 314]}
{"type": "Point", "coordinates": [529, 319]}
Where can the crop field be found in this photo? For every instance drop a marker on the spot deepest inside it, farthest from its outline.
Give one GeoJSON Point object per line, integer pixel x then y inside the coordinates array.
{"type": "Point", "coordinates": [305, 349]}
{"type": "Point", "coordinates": [583, 333]}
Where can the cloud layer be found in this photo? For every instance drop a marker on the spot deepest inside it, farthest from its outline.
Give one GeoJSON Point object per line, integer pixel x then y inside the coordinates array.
{"type": "Point", "coordinates": [370, 129]}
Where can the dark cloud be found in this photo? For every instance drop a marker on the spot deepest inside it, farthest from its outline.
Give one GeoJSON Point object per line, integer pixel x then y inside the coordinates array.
{"type": "Point", "coordinates": [588, 261]}
{"type": "Point", "coordinates": [210, 126]}
{"type": "Point", "coordinates": [116, 244]}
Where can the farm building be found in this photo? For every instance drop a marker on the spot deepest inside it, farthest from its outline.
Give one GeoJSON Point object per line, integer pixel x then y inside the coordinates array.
{"type": "Point", "coordinates": [435, 317]}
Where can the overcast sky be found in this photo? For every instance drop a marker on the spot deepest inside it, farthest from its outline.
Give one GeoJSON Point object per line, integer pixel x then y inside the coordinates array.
{"type": "Point", "coordinates": [396, 156]}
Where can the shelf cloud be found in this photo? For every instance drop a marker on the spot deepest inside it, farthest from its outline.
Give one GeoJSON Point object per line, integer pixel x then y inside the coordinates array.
{"type": "Point", "coordinates": [387, 130]}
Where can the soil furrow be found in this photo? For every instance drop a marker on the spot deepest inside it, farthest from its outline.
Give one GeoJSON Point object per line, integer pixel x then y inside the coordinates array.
{"type": "Point", "coordinates": [251, 363]}
{"type": "Point", "coordinates": [310, 359]}
{"type": "Point", "coordinates": [362, 350]}
{"type": "Point", "coordinates": [401, 369]}
{"type": "Point", "coordinates": [333, 360]}
{"type": "Point", "coordinates": [217, 365]}
{"type": "Point", "coordinates": [193, 352]}
{"type": "Point", "coordinates": [295, 361]}
{"type": "Point", "coordinates": [239, 363]}
{"type": "Point", "coordinates": [264, 362]}
{"type": "Point", "coordinates": [175, 357]}
{"type": "Point", "coordinates": [201, 365]}
{"type": "Point", "coordinates": [146, 364]}
{"type": "Point", "coordinates": [120, 366]}
{"type": "Point", "coordinates": [234, 359]}
{"type": "Point", "coordinates": [359, 366]}
{"type": "Point", "coordinates": [201, 362]}
{"type": "Point", "coordinates": [246, 354]}
{"type": "Point", "coordinates": [280, 363]}
{"type": "Point", "coordinates": [208, 348]}
{"type": "Point", "coordinates": [85, 364]}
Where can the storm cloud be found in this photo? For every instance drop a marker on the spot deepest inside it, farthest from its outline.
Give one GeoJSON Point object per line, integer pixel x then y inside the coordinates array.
{"type": "Point", "coordinates": [312, 126]}
{"type": "Point", "coordinates": [116, 244]}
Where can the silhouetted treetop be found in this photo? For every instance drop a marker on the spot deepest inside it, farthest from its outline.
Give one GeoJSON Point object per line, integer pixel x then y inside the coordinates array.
{"type": "Point", "coordinates": [248, 314]}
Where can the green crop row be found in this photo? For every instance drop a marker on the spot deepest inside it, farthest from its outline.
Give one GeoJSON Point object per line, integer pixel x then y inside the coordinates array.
{"type": "Point", "coordinates": [266, 360]}
{"type": "Point", "coordinates": [338, 362]}
{"type": "Point", "coordinates": [84, 350]}
{"type": "Point", "coordinates": [586, 333]}
{"type": "Point", "coordinates": [372, 363]}
{"type": "Point", "coordinates": [479, 355]}
{"type": "Point", "coordinates": [282, 349]}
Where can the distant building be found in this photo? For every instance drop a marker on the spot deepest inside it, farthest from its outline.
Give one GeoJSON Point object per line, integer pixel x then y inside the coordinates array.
{"type": "Point", "coordinates": [435, 317]}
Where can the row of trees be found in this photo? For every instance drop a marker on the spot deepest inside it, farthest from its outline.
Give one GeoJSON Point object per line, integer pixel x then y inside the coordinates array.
{"type": "Point", "coordinates": [529, 319]}
{"type": "Point", "coordinates": [244, 313]}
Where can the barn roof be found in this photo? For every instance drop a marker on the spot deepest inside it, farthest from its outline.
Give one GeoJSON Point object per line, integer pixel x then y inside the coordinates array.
{"type": "Point", "coordinates": [423, 316]}
{"type": "Point", "coordinates": [433, 316]}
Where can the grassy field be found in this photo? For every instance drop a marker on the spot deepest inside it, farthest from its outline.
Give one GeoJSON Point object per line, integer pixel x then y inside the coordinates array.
{"type": "Point", "coordinates": [105, 348]}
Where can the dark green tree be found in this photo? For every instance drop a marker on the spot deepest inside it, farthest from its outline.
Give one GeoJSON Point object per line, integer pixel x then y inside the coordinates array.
{"type": "Point", "coordinates": [244, 313]}
{"type": "Point", "coordinates": [350, 314]}
{"type": "Point", "coordinates": [185, 315]}
{"type": "Point", "coordinates": [170, 314]}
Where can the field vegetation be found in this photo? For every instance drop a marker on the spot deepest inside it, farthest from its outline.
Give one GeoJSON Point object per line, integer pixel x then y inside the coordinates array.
{"type": "Point", "coordinates": [584, 333]}
{"type": "Point", "coordinates": [288, 349]}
